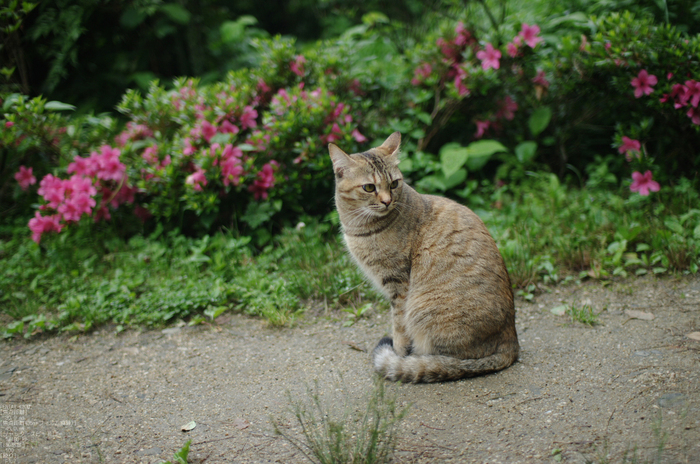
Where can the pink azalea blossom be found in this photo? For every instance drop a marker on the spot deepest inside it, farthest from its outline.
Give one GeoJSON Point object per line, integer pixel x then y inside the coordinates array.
{"type": "Point", "coordinates": [421, 73]}
{"type": "Point", "coordinates": [358, 136]}
{"type": "Point", "coordinates": [188, 149]}
{"type": "Point", "coordinates": [335, 134]}
{"type": "Point", "coordinates": [197, 179]}
{"type": "Point", "coordinates": [507, 109]}
{"type": "Point", "coordinates": [231, 170]}
{"type": "Point", "coordinates": [53, 190]}
{"type": "Point", "coordinates": [462, 89]}
{"type": "Point", "coordinates": [110, 168]}
{"type": "Point", "coordinates": [73, 208]}
{"type": "Point", "coordinates": [481, 128]}
{"type": "Point", "coordinates": [643, 83]}
{"type": "Point", "coordinates": [692, 92]}
{"type": "Point", "coordinates": [166, 162]}
{"type": "Point", "coordinates": [248, 118]}
{"type": "Point", "coordinates": [694, 115]}
{"type": "Point", "coordinates": [25, 178]}
{"type": "Point", "coordinates": [80, 184]}
{"type": "Point", "coordinates": [228, 128]}
{"type": "Point", "coordinates": [489, 57]}
{"type": "Point", "coordinates": [264, 181]}
{"type": "Point", "coordinates": [512, 49]}
{"type": "Point", "coordinates": [41, 224]}
{"type": "Point", "coordinates": [9, 124]}
{"type": "Point", "coordinates": [463, 35]}
{"type": "Point", "coordinates": [150, 154]}
{"type": "Point", "coordinates": [208, 130]}
{"type": "Point", "coordinates": [539, 79]}
{"type": "Point", "coordinates": [297, 66]}
{"type": "Point", "coordinates": [629, 147]}
{"type": "Point", "coordinates": [529, 35]}
{"type": "Point", "coordinates": [84, 166]}
{"type": "Point", "coordinates": [643, 183]}
{"type": "Point", "coordinates": [142, 213]}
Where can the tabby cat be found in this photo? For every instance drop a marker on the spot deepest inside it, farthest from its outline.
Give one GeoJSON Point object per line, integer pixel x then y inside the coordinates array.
{"type": "Point", "coordinates": [451, 299]}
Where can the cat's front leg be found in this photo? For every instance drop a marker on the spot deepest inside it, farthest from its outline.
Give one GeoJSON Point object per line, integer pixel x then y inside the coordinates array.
{"type": "Point", "coordinates": [402, 343]}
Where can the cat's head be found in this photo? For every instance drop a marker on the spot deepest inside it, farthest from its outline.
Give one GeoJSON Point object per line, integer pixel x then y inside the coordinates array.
{"type": "Point", "coordinates": [368, 182]}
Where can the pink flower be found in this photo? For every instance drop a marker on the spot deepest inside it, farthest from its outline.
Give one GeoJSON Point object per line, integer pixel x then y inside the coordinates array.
{"type": "Point", "coordinates": [74, 207]}
{"type": "Point", "coordinates": [421, 73]}
{"type": "Point", "coordinates": [248, 118]}
{"type": "Point", "coordinates": [25, 178]}
{"type": "Point", "coordinates": [529, 35]}
{"type": "Point", "coordinates": [53, 190]}
{"type": "Point", "coordinates": [643, 183]}
{"type": "Point", "coordinates": [228, 128]}
{"type": "Point", "coordinates": [643, 83]}
{"type": "Point", "coordinates": [694, 115]}
{"type": "Point", "coordinates": [40, 224]}
{"type": "Point", "coordinates": [110, 168]}
{"type": "Point", "coordinates": [84, 166]}
{"type": "Point", "coordinates": [335, 134]}
{"type": "Point", "coordinates": [231, 170]}
{"type": "Point", "coordinates": [188, 149]}
{"type": "Point", "coordinates": [358, 136]}
{"type": "Point", "coordinates": [462, 89]}
{"type": "Point", "coordinates": [80, 184]}
{"type": "Point", "coordinates": [692, 92]}
{"type": "Point", "coordinates": [297, 66]}
{"type": "Point", "coordinates": [481, 128]}
{"type": "Point", "coordinates": [208, 130]}
{"type": "Point", "coordinates": [539, 79]}
{"type": "Point", "coordinates": [265, 180]}
{"type": "Point", "coordinates": [197, 179]}
{"type": "Point", "coordinates": [507, 109]}
{"type": "Point", "coordinates": [150, 154]}
{"type": "Point", "coordinates": [629, 147]}
{"type": "Point", "coordinates": [512, 49]}
{"type": "Point", "coordinates": [489, 57]}
{"type": "Point", "coordinates": [9, 124]}
{"type": "Point", "coordinates": [463, 35]}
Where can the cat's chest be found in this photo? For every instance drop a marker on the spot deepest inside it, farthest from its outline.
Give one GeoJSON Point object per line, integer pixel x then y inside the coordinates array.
{"type": "Point", "coordinates": [382, 259]}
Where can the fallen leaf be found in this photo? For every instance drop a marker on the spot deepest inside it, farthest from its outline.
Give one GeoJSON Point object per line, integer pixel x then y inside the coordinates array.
{"type": "Point", "coordinates": [354, 346]}
{"type": "Point", "coordinates": [241, 424]}
{"type": "Point", "coordinates": [694, 336]}
{"type": "Point", "coordinates": [558, 310]}
{"type": "Point", "coordinates": [634, 314]}
{"type": "Point", "coordinates": [189, 426]}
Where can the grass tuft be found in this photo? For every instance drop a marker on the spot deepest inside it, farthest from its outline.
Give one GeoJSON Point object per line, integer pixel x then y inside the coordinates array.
{"type": "Point", "coordinates": [332, 437]}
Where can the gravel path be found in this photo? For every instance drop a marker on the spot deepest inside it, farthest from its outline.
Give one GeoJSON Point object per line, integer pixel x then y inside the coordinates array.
{"type": "Point", "coordinates": [591, 392]}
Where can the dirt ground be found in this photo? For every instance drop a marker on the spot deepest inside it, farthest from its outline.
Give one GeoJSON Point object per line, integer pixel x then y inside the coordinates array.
{"type": "Point", "coordinates": [592, 392]}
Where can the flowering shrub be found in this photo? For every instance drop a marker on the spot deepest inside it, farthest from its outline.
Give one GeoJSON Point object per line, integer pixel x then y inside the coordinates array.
{"type": "Point", "coordinates": [250, 151]}
{"type": "Point", "coordinates": [619, 77]}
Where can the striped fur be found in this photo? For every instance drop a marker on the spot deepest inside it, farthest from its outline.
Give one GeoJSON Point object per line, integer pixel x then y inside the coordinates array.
{"type": "Point", "coordinates": [451, 298]}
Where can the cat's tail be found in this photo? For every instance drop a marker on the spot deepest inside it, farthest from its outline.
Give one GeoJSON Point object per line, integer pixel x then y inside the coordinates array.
{"type": "Point", "coordinates": [435, 368]}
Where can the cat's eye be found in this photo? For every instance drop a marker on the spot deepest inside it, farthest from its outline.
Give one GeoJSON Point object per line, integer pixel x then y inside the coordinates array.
{"type": "Point", "coordinates": [394, 184]}
{"type": "Point", "coordinates": [369, 188]}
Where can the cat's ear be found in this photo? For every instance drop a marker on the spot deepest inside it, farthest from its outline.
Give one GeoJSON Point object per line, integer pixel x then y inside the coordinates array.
{"type": "Point", "coordinates": [341, 160]}
{"type": "Point", "coordinates": [392, 143]}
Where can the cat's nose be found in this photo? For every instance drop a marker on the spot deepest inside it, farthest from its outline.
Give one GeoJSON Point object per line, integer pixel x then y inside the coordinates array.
{"type": "Point", "coordinates": [385, 201]}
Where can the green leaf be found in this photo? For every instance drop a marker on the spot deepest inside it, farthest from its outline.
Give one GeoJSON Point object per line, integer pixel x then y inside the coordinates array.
{"type": "Point", "coordinates": [673, 224]}
{"type": "Point", "coordinates": [176, 13]}
{"type": "Point", "coordinates": [525, 151]}
{"type": "Point", "coordinates": [539, 120]}
{"type": "Point", "coordinates": [214, 311]}
{"type": "Point", "coordinates": [10, 100]}
{"type": "Point", "coordinates": [58, 106]}
{"type": "Point", "coordinates": [696, 232]}
{"type": "Point", "coordinates": [456, 179]}
{"type": "Point", "coordinates": [181, 456]}
{"type": "Point", "coordinates": [481, 151]}
{"type": "Point", "coordinates": [452, 156]}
